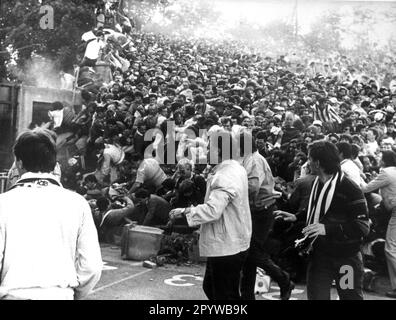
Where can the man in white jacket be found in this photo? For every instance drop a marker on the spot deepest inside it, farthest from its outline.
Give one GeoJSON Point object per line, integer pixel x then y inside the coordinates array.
{"type": "Point", "coordinates": [226, 225]}
{"type": "Point", "coordinates": [49, 246]}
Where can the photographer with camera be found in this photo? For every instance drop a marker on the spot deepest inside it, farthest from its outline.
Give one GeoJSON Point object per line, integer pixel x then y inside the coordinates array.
{"type": "Point", "coordinates": [337, 220]}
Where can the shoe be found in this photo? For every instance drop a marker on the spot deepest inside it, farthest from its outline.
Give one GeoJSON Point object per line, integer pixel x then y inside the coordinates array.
{"type": "Point", "coordinates": [391, 294]}
{"type": "Point", "coordinates": [368, 281]}
{"type": "Point", "coordinates": [285, 292]}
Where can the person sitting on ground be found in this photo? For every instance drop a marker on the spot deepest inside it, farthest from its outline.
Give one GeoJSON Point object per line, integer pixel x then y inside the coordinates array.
{"type": "Point", "coordinates": [150, 209]}
{"type": "Point", "coordinates": [91, 188]}
{"type": "Point", "coordinates": [117, 209]}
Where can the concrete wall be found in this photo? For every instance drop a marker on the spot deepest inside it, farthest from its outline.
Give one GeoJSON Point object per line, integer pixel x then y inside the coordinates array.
{"type": "Point", "coordinates": [28, 95]}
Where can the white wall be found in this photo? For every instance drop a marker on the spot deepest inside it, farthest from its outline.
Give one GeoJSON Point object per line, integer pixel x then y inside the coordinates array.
{"type": "Point", "coordinates": [28, 94]}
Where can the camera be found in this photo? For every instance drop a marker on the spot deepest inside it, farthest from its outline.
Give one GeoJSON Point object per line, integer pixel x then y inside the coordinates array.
{"type": "Point", "coordinates": [304, 246]}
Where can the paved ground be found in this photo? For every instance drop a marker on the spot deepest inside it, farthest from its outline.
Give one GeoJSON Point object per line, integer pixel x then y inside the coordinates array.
{"type": "Point", "coordinates": [129, 280]}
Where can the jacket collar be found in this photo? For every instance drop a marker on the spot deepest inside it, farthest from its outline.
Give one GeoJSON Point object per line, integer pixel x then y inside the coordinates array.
{"type": "Point", "coordinates": [39, 176]}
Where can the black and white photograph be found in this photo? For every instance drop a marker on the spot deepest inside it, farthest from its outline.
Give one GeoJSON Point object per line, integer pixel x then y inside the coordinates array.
{"type": "Point", "coordinates": [215, 151]}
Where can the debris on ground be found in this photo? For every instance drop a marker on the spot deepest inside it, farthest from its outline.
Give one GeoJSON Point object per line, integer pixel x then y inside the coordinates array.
{"type": "Point", "coordinates": [148, 264]}
{"type": "Point", "coordinates": [176, 248]}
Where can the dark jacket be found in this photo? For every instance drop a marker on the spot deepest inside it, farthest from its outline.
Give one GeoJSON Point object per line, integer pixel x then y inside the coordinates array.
{"type": "Point", "coordinates": [157, 211]}
{"type": "Point", "coordinates": [299, 199]}
{"type": "Point", "coordinates": [346, 222]}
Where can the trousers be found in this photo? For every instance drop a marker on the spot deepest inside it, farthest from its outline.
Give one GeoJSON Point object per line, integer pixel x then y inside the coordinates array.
{"type": "Point", "coordinates": [390, 249]}
{"type": "Point", "coordinates": [348, 273]}
{"type": "Point", "coordinates": [262, 223]}
{"type": "Point", "coordinates": [222, 277]}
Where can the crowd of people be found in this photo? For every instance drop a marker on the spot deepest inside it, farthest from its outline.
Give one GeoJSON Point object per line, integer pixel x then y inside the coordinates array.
{"type": "Point", "coordinates": [137, 148]}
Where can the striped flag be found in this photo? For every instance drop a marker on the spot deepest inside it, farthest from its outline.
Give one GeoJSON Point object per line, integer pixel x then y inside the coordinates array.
{"type": "Point", "coordinates": [328, 114]}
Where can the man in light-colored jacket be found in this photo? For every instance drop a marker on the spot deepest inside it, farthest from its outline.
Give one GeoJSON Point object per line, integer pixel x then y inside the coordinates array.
{"type": "Point", "coordinates": [385, 182]}
{"type": "Point", "coordinates": [225, 221]}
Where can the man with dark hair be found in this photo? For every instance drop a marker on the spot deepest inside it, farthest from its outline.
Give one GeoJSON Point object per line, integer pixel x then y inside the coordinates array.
{"type": "Point", "coordinates": [90, 188]}
{"type": "Point", "coordinates": [346, 137]}
{"type": "Point", "coordinates": [14, 174]}
{"type": "Point", "coordinates": [262, 145]}
{"type": "Point", "coordinates": [225, 221]}
{"type": "Point", "coordinates": [139, 144]}
{"type": "Point", "coordinates": [150, 210]}
{"type": "Point", "coordinates": [170, 94]}
{"type": "Point", "coordinates": [391, 132]}
{"type": "Point", "coordinates": [337, 220]}
{"type": "Point", "coordinates": [37, 150]}
{"type": "Point", "coordinates": [200, 104]}
{"type": "Point", "coordinates": [61, 258]}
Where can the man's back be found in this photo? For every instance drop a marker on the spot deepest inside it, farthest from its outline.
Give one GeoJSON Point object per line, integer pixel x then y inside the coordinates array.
{"type": "Point", "coordinates": [150, 173]}
{"type": "Point", "coordinates": [352, 171]}
{"type": "Point", "coordinates": [47, 240]}
{"type": "Point", "coordinates": [257, 166]}
{"type": "Point", "coordinates": [224, 232]}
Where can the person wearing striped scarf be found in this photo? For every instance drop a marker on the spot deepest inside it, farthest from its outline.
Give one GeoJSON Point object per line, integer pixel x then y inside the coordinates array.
{"type": "Point", "coordinates": [336, 222]}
